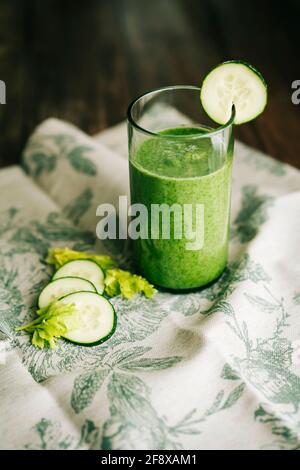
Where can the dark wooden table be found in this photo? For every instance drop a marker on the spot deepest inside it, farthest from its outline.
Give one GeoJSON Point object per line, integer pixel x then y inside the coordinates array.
{"type": "Point", "coordinates": [84, 61]}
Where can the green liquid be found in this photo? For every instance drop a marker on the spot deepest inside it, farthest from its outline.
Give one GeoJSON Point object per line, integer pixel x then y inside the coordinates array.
{"type": "Point", "coordinates": [183, 171]}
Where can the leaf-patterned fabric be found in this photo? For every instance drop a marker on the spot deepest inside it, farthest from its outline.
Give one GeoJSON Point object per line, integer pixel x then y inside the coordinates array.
{"type": "Point", "coordinates": [217, 368]}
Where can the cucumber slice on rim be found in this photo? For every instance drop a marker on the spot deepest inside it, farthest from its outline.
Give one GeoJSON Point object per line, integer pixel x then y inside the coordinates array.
{"type": "Point", "coordinates": [63, 286]}
{"type": "Point", "coordinates": [98, 318]}
{"type": "Point", "coordinates": [86, 269]}
{"type": "Point", "coordinates": [234, 82]}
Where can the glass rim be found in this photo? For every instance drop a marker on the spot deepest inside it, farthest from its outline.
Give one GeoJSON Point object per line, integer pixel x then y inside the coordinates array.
{"type": "Point", "coordinates": [207, 134]}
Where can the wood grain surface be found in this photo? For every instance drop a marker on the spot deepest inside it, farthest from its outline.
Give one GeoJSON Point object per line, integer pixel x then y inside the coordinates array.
{"type": "Point", "coordinates": [84, 61]}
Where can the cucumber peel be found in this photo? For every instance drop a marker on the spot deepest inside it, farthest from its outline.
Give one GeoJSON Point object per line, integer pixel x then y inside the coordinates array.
{"type": "Point", "coordinates": [71, 305]}
{"type": "Point", "coordinates": [84, 268]}
{"type": "Point", "coordinates": [85, 318]}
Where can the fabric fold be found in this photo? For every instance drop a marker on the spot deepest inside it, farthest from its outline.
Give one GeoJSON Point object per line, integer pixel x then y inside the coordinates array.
{"type": "Point", "coordinates": [215, 368]}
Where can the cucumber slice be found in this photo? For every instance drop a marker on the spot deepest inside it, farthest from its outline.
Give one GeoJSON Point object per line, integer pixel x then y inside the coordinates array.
{"type": "Point", "coordinates": [63, 286]}
{"type": "Point", "coordinates": [98, 317]}
{"type": "Point", "coordinates": [238, 83]}
{"type": "Point", "coordinates": [85, 269]}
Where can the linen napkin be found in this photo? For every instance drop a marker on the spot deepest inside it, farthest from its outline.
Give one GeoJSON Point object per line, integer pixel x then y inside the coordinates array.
{"type": "Point", "coordinates": [214, 369]}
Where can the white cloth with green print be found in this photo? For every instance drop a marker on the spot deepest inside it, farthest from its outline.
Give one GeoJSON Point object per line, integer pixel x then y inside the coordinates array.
{"type": "Point", "coordinates": [214, 369]}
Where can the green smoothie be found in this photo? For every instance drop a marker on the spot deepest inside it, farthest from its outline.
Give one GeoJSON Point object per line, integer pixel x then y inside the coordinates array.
{"type": "Point", "coordinates": [182, 168]}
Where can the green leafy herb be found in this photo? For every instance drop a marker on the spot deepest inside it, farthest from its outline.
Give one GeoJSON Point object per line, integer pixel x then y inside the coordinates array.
{"type": "Point", "coordinates": [51, 323]}
{"type": "Point", "coordinates": [60, 256]}
{"type": "Point", "coordinates": [127, 284]}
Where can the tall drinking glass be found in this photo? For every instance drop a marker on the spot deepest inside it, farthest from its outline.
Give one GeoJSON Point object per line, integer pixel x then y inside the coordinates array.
{"type": "Point", "coordinates": [180, 173]}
